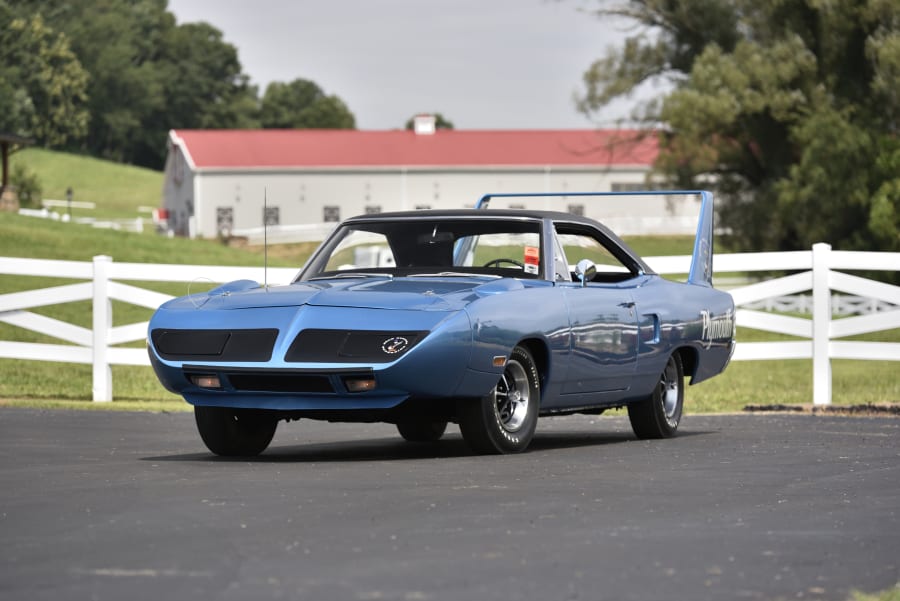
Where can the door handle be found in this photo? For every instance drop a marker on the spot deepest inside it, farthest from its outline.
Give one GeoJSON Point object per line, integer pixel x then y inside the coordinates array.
{"type": "Point", "coordinates": [627, 305]}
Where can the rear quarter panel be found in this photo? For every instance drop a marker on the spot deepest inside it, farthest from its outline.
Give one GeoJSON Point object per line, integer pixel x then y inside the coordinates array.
{"type": "Point", "coordinates": [674, 315]}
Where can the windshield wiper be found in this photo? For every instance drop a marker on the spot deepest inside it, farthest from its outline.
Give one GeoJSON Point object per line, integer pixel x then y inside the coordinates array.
{"type": "Point", "coordinates": [454, 274]}
{"type": "Point", "coordinates": [341, 276]}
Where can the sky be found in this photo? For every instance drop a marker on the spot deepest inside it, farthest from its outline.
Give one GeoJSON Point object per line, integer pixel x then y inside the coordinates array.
{"type": "Point", "coordinates": [483, 64]}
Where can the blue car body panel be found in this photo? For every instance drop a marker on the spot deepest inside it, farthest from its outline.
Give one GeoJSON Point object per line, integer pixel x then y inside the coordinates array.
{"type": "Point", "coordinates": [423, 336]}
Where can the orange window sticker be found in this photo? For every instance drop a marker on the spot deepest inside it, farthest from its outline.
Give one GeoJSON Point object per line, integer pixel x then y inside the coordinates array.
{"type": "Point", "coordinates": [532, 259]}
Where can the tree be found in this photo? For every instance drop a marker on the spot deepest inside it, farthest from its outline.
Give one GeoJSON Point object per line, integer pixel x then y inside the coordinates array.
{"type": "Point", "coordinates": [118, 42]}
{"type": "Point", "coordinates": [147, 74]}
{"type": "Point", "coordinates": [122, 73]}
{"type": "Point", "coordinates": [27, 184]}
{"type": "Point", "coordinates": [302, 104]}
{"type": "Point", "coordinates": [440, 122]}
{"type": "Point", "coordinates": [788, 108]}
{"type": "Point", "coordinates": [203, 86]}
{"type": "Point", "coordinates": [42, 84]}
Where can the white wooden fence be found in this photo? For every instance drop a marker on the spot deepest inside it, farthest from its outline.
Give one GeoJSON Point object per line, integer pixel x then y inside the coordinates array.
{"type": "Point", "coordinates": [818, 272]}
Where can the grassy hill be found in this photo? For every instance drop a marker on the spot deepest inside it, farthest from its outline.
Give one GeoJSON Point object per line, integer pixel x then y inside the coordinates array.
{"type": "Point", "coordinates": [117, 190]}
{"type": "Point", "coordinates": [46, 239]}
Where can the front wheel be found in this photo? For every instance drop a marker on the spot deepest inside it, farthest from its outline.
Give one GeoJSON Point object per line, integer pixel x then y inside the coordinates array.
{"type": "Point", "coordinates": [659, 415]}
{"type": "Point", "coordinates": [504, 420]}
{"type": "Point", "coordinates": [235, 432]}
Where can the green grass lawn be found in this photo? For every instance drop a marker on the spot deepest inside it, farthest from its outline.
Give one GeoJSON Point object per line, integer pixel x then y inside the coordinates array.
{"type": "Point", "coordinates": [118, 191]}
{"type": "Point", "coordinates": [44, 384]}
{"type": "Point", "coordinates": [888, 595]}
{"type": "Point", "coordinates": [55, 384]}
{"type": "Point", "coordinates": [34, 238]}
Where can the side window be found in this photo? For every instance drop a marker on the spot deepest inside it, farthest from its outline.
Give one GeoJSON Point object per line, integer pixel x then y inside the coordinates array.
{"type": "Point", "coordinates": [577, 246]}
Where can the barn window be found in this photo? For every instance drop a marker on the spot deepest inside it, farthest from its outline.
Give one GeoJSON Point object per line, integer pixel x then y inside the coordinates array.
{"type": "Point", "coordinates": [331, 213]}
{"type": "Point", "coordinates": [576, 210]}
{"type": "Point", "coordinates": [373, 209]}
{"type": "Point", "coordinates": [224, 220]}
{"type": "Point", "coordinates": [628, 187]}
{"type": "Point", "coordinates": [270, 216]}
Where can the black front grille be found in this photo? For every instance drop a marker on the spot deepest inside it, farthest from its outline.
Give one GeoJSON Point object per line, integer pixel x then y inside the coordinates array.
{"type": "Point", "coordinates": [351, 346]}
{"type": "Point", "coordinates": [214, 345]}
{"type": "Point", "coordinates": [275, 382]}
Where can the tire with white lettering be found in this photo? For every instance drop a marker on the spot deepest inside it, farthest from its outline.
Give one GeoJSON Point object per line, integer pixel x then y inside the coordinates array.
{"type": "Point", "coordinates": [235, 432]}
{"type": "Point", "coordinates": [658, 415]}
{"type": "Point", "coordinates": [504, 420]}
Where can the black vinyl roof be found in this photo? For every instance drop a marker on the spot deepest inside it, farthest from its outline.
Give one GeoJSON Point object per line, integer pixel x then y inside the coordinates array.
{"type": "Point", "coordinates": [501, 214]}
{"type": "Point", "coordinates": [479, 213]}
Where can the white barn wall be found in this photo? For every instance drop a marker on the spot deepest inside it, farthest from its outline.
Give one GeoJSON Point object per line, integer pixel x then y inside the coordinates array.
{"type": "Point", "coordinates": [302, 194]}
{"type": "Point", "coordinates": [179, 195]}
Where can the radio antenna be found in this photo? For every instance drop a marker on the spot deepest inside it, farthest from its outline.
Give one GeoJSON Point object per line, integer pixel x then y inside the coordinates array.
{"type": "Point", "coordinates": [265, 239]}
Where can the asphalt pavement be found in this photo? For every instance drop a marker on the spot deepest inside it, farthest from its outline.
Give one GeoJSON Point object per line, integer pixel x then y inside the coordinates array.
{"type": "Point", "coordinates": [115, 505]}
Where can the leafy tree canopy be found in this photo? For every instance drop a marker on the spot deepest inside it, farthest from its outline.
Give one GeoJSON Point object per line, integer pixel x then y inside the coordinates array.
{"type": "Point", "coordinates": [302, 104]}
{"type": "Point", "coordinates": [112, 77]}
{"type": "Point", "coordinates": [789, 108]}
{"type": "Point", "coordinates": [43, 87]}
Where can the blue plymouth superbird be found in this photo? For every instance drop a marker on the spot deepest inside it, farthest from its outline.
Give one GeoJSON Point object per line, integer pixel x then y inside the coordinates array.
{"type": "Point", "coordinates": [484, 317]}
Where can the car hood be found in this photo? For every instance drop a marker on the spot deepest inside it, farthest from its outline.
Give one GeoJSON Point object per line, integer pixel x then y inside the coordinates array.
{"type": "Point", "coordinates": [414, 293]}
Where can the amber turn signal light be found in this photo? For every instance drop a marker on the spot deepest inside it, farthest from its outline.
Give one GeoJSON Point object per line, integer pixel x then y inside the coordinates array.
{"type": "Point", "coordinates": [359, 384]}
{"type": "Point", "coordinates": [206, 381]}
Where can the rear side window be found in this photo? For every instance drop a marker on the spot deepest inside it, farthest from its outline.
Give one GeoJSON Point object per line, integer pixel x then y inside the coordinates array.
{"type": "Point", "coordinates": [611, 266]}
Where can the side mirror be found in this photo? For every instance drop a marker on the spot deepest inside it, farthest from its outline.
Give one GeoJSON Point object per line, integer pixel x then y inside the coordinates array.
{"type": "Point", "coordinates": [585, 270]}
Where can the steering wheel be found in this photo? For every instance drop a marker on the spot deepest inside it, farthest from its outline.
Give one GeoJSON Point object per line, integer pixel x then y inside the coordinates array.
{"type": "Point", "coordinates": [497, 262]}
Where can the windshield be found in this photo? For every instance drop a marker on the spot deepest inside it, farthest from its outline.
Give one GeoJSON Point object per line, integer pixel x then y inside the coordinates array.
{"type": "Point", "coordinates": [410, 247]}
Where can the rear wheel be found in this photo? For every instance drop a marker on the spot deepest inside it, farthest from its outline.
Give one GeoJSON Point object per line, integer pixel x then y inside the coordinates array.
{"type": "Point", "coordinates": [504, 420]}
{"type": "Point", "coordinates": [659, 415]}
{"type": "Point", "coordinates": [235, 432]}
{"type": "Point", "coordinates": [422, 431]}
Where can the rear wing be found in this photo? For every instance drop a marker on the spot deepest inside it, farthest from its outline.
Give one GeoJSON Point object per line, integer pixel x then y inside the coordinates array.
{"type": "Point", "coordinates": [702, 256]}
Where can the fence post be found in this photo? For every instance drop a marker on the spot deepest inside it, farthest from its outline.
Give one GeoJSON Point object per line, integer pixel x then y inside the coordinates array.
{"type": "Point", "coordinates": [102, 322]}
{"type": "Point", "coordinates": [821, 317]}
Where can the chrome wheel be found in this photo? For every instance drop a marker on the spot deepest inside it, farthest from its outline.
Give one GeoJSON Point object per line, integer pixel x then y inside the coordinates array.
{"type": "Point", "coordinates": [670, 394]}
{"type": "Point", "coordinates": [658, 415]}
{"type": "Point", "coordinates": [511, 397]}
{"type": "Point", "coordinates": [503, 421]}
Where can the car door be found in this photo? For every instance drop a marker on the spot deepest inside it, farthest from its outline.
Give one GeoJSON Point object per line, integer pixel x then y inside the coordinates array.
{"type": "Point", "coordinates": [602, 317]}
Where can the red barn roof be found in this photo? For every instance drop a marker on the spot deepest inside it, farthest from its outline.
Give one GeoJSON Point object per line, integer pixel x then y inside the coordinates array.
{"type": "Point", "coordinates": [311, 148]}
